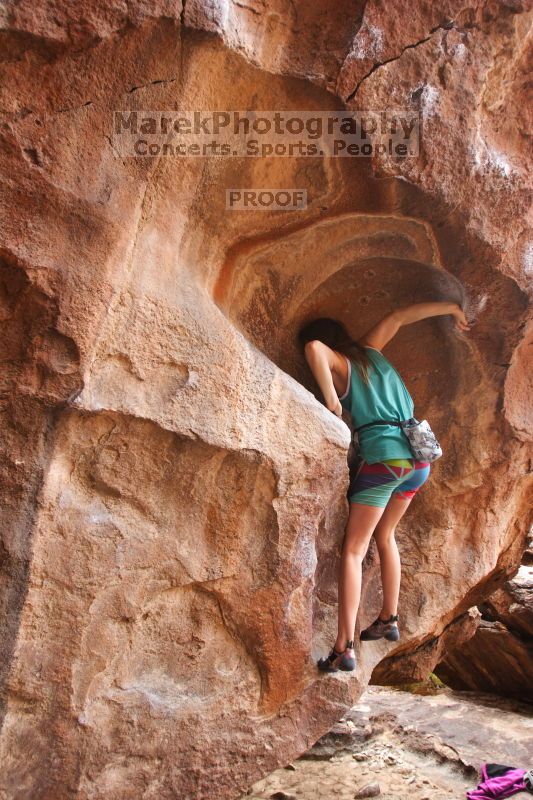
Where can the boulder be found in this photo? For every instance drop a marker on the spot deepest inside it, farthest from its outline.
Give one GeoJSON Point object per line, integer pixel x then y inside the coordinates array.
{"type": "Point", "coordinates": [499, 657]}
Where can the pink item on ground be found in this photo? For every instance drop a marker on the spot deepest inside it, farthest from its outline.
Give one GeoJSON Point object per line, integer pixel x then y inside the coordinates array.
{"type": "Point", "coordinates": [499, 786]}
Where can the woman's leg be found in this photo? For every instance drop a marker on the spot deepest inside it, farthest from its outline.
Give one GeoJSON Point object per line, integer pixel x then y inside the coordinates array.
{"type": "Point", "coordinates": [389, 556]}
{"type": "Point", "coordinates": [359, 529]}
{"type": "Point", "coordinates": [387, 548]}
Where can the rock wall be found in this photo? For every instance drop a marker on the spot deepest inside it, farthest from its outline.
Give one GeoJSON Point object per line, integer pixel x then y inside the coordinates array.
{"type": "Point", "coordinates": [173, 494]}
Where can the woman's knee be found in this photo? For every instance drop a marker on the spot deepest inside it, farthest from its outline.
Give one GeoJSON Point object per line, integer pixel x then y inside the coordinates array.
{"type": "Point", "coordinates": [355, 548]}
{"type": "Point", "coordinates": [385, 538]}
{"type": "Point", "coordinates": [357, 541]}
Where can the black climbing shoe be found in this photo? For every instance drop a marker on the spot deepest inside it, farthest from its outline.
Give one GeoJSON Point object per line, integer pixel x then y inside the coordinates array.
{"type": "Point", "coordinates": [380, 629]}
{"type": "Point", "coordinates": [336, 661]}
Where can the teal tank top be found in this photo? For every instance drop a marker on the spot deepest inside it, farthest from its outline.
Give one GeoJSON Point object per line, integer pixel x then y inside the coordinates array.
{"type": "Point", "coordinates": [385, 398]}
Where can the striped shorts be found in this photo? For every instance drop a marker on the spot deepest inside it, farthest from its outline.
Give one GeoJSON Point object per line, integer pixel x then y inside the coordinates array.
{"type": "Point", "coordinates": [374, 484]}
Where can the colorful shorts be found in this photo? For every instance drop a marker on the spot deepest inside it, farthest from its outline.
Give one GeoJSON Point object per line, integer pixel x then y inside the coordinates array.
{"type": "Point", "coordinates": [373, 484]}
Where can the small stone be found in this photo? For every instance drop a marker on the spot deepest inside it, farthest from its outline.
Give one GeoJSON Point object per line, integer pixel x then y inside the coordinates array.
{"type": "Point", "coordinates": [370, 790]}
{"type": "Point", "coordinates": [412, 779]}
{"type": "Point", "coordinates": [342, 729]}
{"type": "Point", "coordinates": [290, 766]}
{"type": "Point", "coordinates": [359, 756]}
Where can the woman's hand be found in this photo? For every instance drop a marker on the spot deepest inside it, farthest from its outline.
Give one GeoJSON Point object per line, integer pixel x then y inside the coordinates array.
{"type": "Point", "coordinates": [461, 322]}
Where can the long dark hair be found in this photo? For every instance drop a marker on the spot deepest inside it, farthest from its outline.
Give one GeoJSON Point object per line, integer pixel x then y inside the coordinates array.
{"type": "Point", "coordinates": [334, 334]}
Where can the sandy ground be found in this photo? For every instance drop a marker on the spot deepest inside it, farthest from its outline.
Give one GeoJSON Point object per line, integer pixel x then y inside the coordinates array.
{"type": "Point", "coordinates": [401, 745]}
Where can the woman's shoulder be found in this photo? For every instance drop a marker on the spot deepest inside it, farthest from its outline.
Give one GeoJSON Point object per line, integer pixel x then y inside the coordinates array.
{"type": "Point", "coordinates": [368, 347]}
{"type": "Point", "coordinates": [351, 358]}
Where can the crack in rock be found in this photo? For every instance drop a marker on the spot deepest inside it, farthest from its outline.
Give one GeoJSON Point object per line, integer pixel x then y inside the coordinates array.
{"type": "Point", "coordinates": [443, 26]}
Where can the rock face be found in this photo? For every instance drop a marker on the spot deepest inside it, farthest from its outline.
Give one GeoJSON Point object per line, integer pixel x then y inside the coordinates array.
{"type": "Point", "coordinates": [173, 498]}
{"type": "Point", "coordinates": [499, 657]}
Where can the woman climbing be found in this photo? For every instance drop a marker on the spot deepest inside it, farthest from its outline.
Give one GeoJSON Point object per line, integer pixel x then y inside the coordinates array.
{"type": "Point", "coordinates": [356, 376]}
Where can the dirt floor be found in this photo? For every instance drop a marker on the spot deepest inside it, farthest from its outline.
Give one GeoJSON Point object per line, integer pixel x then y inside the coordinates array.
{"type": "Point", "coordinates": [398, 745]}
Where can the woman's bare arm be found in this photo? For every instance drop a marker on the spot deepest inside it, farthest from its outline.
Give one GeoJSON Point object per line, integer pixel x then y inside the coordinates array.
{"type": "Point", "coordinates": [323, 362]}
{"type": "Point", "coordinates": [383, 332]}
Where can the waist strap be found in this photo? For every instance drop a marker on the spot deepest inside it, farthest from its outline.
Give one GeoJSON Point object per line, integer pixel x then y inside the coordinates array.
{"type": "Point", "coordinates": [379, 422]}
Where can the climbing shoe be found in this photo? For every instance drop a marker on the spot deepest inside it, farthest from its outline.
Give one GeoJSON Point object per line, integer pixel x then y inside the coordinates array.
{"type": "Point", "coordinates": [336, 661]}
{"type": "Point", "coordinates": [382, 628]}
